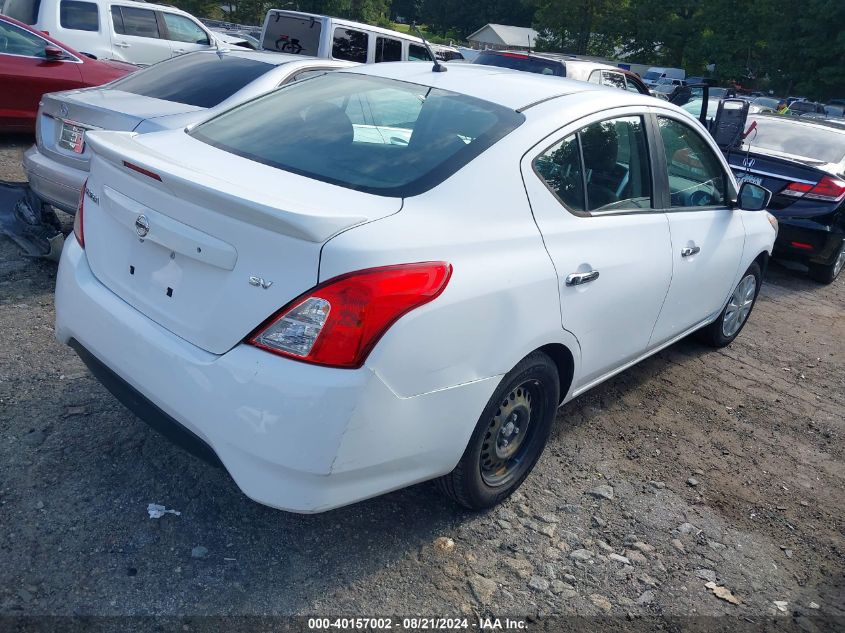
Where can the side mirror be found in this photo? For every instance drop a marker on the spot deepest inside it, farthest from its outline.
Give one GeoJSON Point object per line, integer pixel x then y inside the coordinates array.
{"type": "Point", "coordinates": [54, 53]}
{"type": "Point", "coordinates": [753, 197]}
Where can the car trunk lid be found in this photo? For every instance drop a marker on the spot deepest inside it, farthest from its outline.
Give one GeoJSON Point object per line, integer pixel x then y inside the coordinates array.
{"type": "Point", "coordinates": [208, 251]}
{"type": "Point", "coordinates": [69, 115]}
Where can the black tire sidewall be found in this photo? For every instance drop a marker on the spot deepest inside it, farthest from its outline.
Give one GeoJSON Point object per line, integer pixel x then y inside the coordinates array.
{"type": "Point", "coordinates": [538, 367]}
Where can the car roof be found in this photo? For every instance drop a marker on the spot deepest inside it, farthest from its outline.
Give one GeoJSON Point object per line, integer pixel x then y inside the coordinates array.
{"type": "Point", "coordinates": [512, 89]}
{"type": "Point", "coordinates": [269, 57]}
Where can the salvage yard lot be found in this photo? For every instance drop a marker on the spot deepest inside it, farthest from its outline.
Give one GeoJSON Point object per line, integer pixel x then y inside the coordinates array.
{"type": "Point", "coordinates": [695, 465]}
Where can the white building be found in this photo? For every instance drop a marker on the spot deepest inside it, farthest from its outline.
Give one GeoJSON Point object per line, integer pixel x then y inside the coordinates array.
{"type": "Point", "coordinates": [499, 36]}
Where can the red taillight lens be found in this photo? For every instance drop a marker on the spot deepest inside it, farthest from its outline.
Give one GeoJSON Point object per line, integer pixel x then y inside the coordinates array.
{"type": "Point", "coordinates": [828, 189]}
{"type": "Point", "coordinates": [339, 322]}
{"type": "Point", "coordinates": [78, 229]}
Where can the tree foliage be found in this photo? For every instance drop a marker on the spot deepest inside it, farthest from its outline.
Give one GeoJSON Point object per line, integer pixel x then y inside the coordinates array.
{"type": "Point", "coordinates": [782, 45]}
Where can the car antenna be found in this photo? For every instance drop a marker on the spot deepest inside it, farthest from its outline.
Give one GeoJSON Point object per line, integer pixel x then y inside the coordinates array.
{"type": "Point", "coordinates": [438, 67]}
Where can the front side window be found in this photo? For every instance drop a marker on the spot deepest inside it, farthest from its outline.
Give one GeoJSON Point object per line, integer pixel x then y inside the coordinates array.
{"type": "Point", "coordinates": [132, 21]}
{"type": "Point", "coordinates": [371, 134]}
{"type": "Point", "coordinates": [20, 42]}
{"type": "Point", "coordinates": [80, 16]}
{"type": "Point", "coordinates": [201, 80]}
{"type": "Point", "coordinates": [417, 53]}
{"type": "Point", "coordinates": [388, 50]}
{"type": "Point", "coordinates": [181, 29]}
{"type": "Point", "coordinates": [350, 45]}
{"type": "Point", "coordinates": [603, 167]}
{"type": "Point", "coordinates": [696, 177]}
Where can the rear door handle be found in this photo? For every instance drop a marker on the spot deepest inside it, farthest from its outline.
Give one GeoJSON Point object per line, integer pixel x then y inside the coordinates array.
{"type": "Point", "coordinates": [576, 279]}
{"type": "Point", "coordinates": [179, 50]}
{"type": "Point", "coordinates": [121, 44]}
{"type": "Point", "coordinates": [689, 251]}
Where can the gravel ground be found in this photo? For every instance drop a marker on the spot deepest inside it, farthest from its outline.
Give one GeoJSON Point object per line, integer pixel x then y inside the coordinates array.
{"type": "Point", "coordinates": [696, 466]}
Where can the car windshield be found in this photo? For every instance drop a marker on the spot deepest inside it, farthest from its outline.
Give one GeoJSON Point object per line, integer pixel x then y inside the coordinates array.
{"type": "Point", "coordinates": [651, 75]}
{"type": "Point", "coordinates": [790, 137]}
{"type": "Point", "coordinates": [803, 106]}
{"type": "Point", "coordinates": [200, 79]}
{"type": "Point", "coordinates": [766, 102]}
{"type": "Point", "coordinates": [376, 135]}
{"type": "Point", "coordinates": [518, 61]}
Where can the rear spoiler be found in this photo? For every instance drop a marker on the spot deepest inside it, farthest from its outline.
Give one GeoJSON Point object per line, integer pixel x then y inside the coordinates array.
{"type": "Point", "coordinates": [257, 208]}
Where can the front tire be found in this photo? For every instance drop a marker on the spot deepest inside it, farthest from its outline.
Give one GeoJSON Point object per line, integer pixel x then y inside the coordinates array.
{"type": "Point", "coordinates": [734, 315]}
{"type": "Point", "coordinates": [827, 274]}
{"type": "Point", "coordinates": [510, 435]}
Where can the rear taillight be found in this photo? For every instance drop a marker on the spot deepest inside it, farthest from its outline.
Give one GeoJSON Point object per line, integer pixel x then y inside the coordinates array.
{"type": "Point", "coordinates": [828, 189]}
{"type": "Point", "coordinates": [339, 322]}
{"type": "Point", "coordinates": [78, 229]}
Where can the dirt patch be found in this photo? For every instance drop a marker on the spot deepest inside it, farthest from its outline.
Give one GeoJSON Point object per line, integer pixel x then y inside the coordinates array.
{"type": "Point", "coordinates": [725, 467]}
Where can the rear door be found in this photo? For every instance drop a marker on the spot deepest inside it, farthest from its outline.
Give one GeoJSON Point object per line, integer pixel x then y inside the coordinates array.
{"type": "Point", "coordinates": [183, 34]}
{"type": "Point", "coordinates": [138, 35]}
{"type": "Point", "coordinates": [591, 193]}
{"type": "Point", "coordinates": [708, 236]}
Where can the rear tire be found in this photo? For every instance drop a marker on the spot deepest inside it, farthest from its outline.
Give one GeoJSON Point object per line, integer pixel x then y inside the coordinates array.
{"type": "Point", "coordinates": [510, 435]}
{"type": "Point", "coordinates": [734, 315]}
{"type": "Point", "coordinates": [827, 274]}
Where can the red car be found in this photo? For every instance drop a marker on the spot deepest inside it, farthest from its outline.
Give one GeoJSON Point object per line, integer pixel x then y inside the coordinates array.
{"type": "Point", "coordinates": [32, 63]}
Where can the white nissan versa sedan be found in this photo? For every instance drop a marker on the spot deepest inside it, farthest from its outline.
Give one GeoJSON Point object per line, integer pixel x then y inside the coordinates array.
{"type": "Point", "coordinates": [387, 274]}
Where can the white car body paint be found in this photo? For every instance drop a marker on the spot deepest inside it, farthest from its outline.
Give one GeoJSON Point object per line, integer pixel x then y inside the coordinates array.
{"type": "Point", "coordinates": [308, 438]}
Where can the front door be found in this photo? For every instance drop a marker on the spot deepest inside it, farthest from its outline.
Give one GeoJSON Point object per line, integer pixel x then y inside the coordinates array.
{"type": "Point", "coordinates": [184, 35]}
{"type": "Point", "coordinates": [707, 235]}
{"type": "Point", "coordinates": [590, 188]}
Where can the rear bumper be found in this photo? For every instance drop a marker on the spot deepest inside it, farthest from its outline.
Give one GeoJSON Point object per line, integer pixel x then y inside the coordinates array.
{"type": "Point", "coordinates": [53, 182]}
{"type": "Point", "coordinates": [807, 241]}
{"type": "Point", "coordinates": [293, 436]}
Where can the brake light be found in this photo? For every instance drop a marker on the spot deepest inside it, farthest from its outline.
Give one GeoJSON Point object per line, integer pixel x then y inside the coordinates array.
{"type": "Point", "coordinates": [338, 322]}
{"type": "Point", "coordinates": [78, 229]}
{"type": "Point", "coordinates": [828, 189]}
{"type": "Point", "coordinates": [515, 55]}
{"type": "Point", "coordinates": [802, 245]}
{"type": "Point", "coordinates": [141, 170]}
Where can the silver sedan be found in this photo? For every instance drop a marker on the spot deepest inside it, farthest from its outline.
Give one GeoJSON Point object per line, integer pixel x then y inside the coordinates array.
{"type": "Point", "coordinates": [171, 94]}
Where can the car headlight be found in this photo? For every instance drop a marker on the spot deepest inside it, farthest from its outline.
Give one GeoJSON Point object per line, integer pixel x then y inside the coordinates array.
{"type": "Point", "coordinates": [772, 220]}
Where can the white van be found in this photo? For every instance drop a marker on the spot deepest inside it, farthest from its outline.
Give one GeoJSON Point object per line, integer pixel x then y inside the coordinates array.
{"type": "Point", "coordinates": [135, 32]}
{"type": "Point", "coordinates": [655, 74]}
{"type": "Point", "coordinates": [335, 38]}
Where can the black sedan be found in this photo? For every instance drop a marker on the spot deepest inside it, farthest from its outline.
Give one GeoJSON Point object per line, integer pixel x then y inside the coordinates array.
{"type": "Point", "coordinates": [803, 164]}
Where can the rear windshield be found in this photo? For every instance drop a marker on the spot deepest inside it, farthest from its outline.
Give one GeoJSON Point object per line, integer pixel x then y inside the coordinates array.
{"type": "Point", "coordinates": [199, 79]}
{"type": "Point", "coordinates": [377, 135]}
{"type": "Point", "coordinates": [25, 11]}
{"type": "Point", "coordinates": [789, 137]}
{"type": "Point", "coordinates": [803, 106]}
{"type": "Point", "coordinates": [292, 34]}
{"type": "Point", "coordinates": [521, 62]}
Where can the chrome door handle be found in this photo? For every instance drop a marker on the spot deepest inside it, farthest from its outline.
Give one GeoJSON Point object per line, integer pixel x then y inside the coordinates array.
{"type": "Point", "coordinates": [688, 251]}
{"type": "Point", "coordinates": [576, 279]}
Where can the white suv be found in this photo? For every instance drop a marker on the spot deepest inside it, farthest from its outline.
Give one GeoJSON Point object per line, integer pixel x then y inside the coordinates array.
{"type": "Point", "coordinates": [135, 32]}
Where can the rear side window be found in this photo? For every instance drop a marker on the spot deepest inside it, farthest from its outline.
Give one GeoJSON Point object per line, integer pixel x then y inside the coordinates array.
{"type": "Point", "coordinates": [80, 16]}
{"type": "Point", "coordinates": [388, 50]}
{"type": "Point", "coordinates": [616, 80]}
{"type": "Point", "coordinates": [292, 34]}
{"type": "Point", "coordinates": [132, 21]}
{"type": "Point", "coordinates": [198, 79]}
{"type": "Point", "coordinates": [518, 61]}
{"type": "Point", "coordinates": [350, 45]}
{"type": "Point", "coordinates": [25, 11]}
{"type": "Point", "coordinates": [181, 29]}
{"type": "Point", "coordinates": [602, 167]}
{"type": "Point", "coordinates": [417, 53]}
{"type": "Point", "coordinates": [377, 135]}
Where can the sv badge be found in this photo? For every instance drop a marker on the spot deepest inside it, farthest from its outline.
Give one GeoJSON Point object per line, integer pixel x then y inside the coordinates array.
{"type": "Point", "coordinates": [259, 282]}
